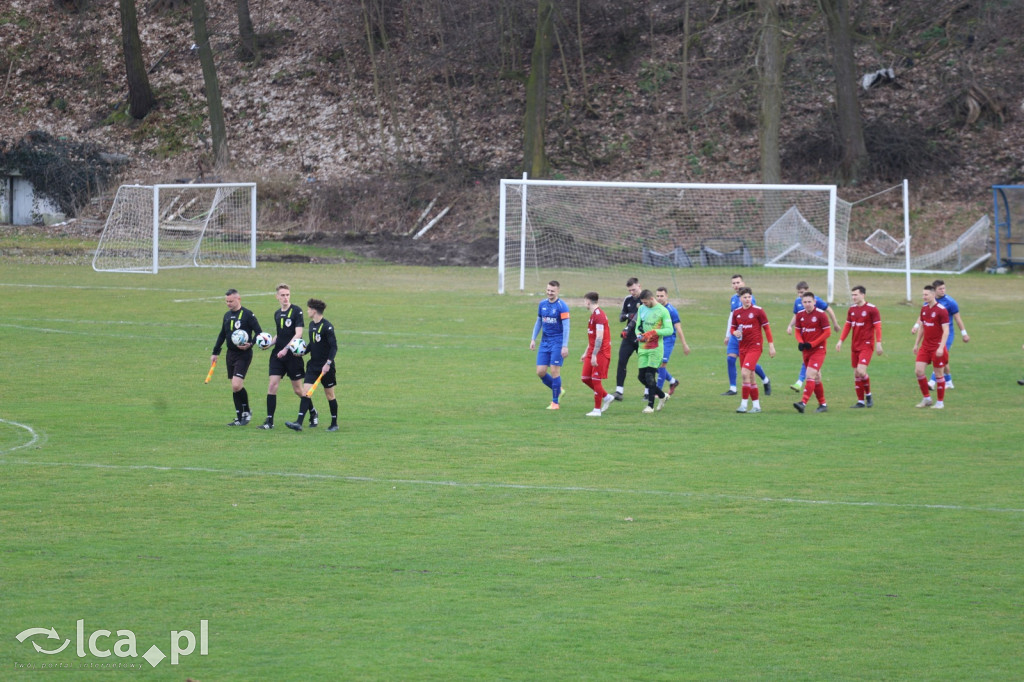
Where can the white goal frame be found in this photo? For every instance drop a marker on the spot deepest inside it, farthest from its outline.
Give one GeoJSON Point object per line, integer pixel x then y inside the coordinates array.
{"type": "Point", "coordinates": [521, 187]}
{"type": "Point", "coordinates": [141, 234]}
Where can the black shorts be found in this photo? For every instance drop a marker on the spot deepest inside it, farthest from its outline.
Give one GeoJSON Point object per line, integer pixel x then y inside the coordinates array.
{"type": "Point", "coordinates": [313, 371]}
{"type": "Point", "coordinates": [238, 362]}
{"type": "Point", "coordinates": [290, 365]}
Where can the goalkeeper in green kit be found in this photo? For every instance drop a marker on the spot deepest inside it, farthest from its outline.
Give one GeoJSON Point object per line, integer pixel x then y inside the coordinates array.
{"type": "Point", "coordinates": [653, 321]}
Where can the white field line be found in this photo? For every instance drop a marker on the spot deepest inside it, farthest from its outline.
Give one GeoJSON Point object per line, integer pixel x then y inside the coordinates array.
{"type": "Point", "coordinates": [514, 486]}
{"type": "Point", "coordinates": [22, 285]}
{"type": "Point", "coordinates": [34, 436]}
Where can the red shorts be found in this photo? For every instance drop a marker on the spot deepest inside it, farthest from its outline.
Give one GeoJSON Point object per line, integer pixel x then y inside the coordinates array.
{"type": "Point", "coordinates": [861, 357]}
{"type": "Point", "coordinates": [599, 372]}
{"type": "Point", "coordinates": [749, 357]}
{"type": "Point", "coordinates": [928, 357]}
{"type": "Point", "coordinates": [815, 358]}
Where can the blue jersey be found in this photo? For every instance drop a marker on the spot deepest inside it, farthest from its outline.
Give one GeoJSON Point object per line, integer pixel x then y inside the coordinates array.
{"type": "Point", "coordinates": [550, 318]}
{"type": "Point", "coordinates": [674, 314]}
{"type": "Point", "coordinates": [798, 304]}
{"type": "Point", "coordinates": [735, 302]}
{"type": "Point", "coordinates": [952, 308]}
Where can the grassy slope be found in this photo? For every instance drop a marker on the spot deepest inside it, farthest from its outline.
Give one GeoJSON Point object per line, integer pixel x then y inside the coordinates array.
{"type": "Point", "coordinates": [456, 530]}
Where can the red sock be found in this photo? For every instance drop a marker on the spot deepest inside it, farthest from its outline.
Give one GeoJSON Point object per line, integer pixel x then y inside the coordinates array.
{"type": "Point", "coordinates": [923, 383]}
{"type": "Point", "coordinates": [866, 381]}
{"type": "Point", "coordinates": [858, 385]}
{"type": "Point", "coordinates": [819, 392]}
{"type": "Point", "coordinates": [753, 392]}
{"type": "Point", "coordinates": [599, 393]}
{"type": "Point", "coordinates": [940, 386]}
{"type": "Point", "coordinates": [745, 391]}
{"type": "Point", "coordinates": [808, 390]}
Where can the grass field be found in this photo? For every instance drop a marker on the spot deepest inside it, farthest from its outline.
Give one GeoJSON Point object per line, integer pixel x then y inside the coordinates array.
{"type": "Point", "coordinates": [455, 529]}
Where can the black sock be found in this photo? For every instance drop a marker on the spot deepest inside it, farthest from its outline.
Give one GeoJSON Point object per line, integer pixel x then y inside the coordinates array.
{"type": "Point", "coordinates": [271, 406]}
{"type": "Point", "coordinates": [305, 405]}
{"type": "Point", "coordinates": [238, 403]}
{"type": "Point", "coordinates": [333, 404]}
{"type": "Point", "coordinates": [244, 400]}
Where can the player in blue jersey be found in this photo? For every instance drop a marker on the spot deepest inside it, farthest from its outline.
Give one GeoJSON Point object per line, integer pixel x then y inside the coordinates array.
{"type": "Point", "coordinates": [951, 306]}
{"type": "Point", "coordinates": [553, 322]}
{"type": "Point", "coordinates": [669, 342]}
{"type": "Point", "coordinates": [732, 345]}
{"type": "Point", "coordinates": [798, 306]}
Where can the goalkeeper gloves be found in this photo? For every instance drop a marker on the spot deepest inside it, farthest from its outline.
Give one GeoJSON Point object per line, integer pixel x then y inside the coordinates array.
{"type": "Point", "coordinates": [804, 346]}
{"type": "Point", "coordinates": [649, 336]}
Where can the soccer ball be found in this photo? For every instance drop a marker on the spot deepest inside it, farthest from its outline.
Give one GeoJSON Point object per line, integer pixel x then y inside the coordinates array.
{"type": "Point", "coordinates": [239, 337]}
{"type": "Point", "coordinates": [264, 340]}
{"type": "Point", "coordinates": [297, 346]}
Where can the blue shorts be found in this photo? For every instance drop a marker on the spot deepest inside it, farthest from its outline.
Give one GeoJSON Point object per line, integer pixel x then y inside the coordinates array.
{"type": "Point", "coordinates": [550, 354]}
{"type": "Point", "coordinates": [951, 338]}
{"type": "Point", "coordinates": [668, 343]}
{"type": "Point", "coordinates": [734, 346]}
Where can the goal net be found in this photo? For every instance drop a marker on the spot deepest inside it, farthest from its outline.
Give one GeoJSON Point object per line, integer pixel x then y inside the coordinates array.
{"type": "Point", "coordinates": [153, 227]}
{"type": "Point", "coordinates": [872, 235]}
{"type": "Point", "coordinates": [562, 225]}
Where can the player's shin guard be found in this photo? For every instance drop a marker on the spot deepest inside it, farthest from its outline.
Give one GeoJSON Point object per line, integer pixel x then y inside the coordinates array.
{"type": "Point", "coordinates": [922, 383]}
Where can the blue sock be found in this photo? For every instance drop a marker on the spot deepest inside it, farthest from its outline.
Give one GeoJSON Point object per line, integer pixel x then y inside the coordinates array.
{"type": "Point", "coordinates": [732, 370]}
{"type": "Point", "coordinates": [803, 373]}
{"type": "Point", "coordinates": [556, 388]}
{"type": "Point", "coordinates": [932, 377]}
{"type": "Point", "coordinates": [547, 380]}
{"type": "Point", "coordinates": [663, 376]}
{"type": "Point", "coordinates": [948, 377]}
{"type": "Point", "coordinates": [760, 372]}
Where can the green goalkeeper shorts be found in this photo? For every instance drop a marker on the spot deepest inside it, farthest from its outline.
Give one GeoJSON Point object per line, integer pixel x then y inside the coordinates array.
{"type": "Point", "coordinates": [649, 357]}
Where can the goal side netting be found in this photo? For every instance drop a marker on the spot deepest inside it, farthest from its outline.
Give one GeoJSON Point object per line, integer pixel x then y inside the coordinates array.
{"type": "Point", "coordinates": [562, 225]}
{"type": "Point", "coordinates": [872, 235]}
{"type": "Point", "coordinates": [154, 227]}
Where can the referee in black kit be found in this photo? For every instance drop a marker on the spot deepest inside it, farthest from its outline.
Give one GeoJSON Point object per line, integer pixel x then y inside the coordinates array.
{"type": "Point", "coordinates": [239, 357]}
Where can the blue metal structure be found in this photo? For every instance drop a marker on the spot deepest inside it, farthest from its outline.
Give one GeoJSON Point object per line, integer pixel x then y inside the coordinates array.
{"type": "Point", "coordinates": [1008, 207]}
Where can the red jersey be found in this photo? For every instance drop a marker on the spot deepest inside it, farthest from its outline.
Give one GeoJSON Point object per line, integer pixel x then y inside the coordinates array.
{"type": "Point", "coordinates": [932, 318]}
{"type": "Point", "coordinates": [866, 324]}
{"type": "Point", "coordinates": [751, 320]}
{"type": "Point", "coordinates": [599, 319]}
{"type": "Point", "coordinates": [812, 327]}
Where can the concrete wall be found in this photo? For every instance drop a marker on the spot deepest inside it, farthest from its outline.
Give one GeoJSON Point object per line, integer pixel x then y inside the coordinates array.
{"type": "Point", "coordinates": [20, 205]}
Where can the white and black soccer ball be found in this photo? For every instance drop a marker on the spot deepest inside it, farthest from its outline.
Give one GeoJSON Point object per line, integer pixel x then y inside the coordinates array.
{"type": "Point", "coordinates": [297, 346]}
{"type": "Point", "coordinates": [239, 337]}
{"type": "Point", "coordinates": [263, 340]}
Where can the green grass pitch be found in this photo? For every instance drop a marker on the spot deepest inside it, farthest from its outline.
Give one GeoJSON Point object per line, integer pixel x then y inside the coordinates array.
{"type": "Point", "coordinates": [455, 529]}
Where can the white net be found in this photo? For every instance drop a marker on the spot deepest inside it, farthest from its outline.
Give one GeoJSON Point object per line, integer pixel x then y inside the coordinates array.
{"type": "Point", "coordinates": [174, 226]}
{"type": "Point", "coordinates": [558, 225]}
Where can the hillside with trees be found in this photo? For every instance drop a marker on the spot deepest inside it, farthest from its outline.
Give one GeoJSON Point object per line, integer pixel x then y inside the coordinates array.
{"type": "Point", "coordinates": [353, 116]}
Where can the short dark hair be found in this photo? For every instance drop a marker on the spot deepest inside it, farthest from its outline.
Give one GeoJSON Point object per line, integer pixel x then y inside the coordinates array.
{"type": "Point", "coordinates": [646, 294]}
{"type": "Point", "coordinates": [662, 289]}
{"type": "Point", "coordinates": [317, 305]}
{"type": "Point", "coordinates": [591, 296]}
{"type": "Point", "coordinates": [745, 290]}
{"type": "Point", "coordinates": [860, 289]}
{"type": "Point", "coordinates": [736, 277]}
{"type": "Point", "coordinates": [554, 283]}
{"type": "Point", "coordinates": [808, 293]}
{"type": "Point", "coordinates": [282, 285]}
{"type": "Point", "coordinates": [929, 287]}
{"type": "Point", "coordinates": [231, 292]}
{"type": "Point", "coordinates": [938, 283]}
{"type": "Point", "coordinates": [801, 285]}
{"type": "Point", "coordinates": [631, 281]}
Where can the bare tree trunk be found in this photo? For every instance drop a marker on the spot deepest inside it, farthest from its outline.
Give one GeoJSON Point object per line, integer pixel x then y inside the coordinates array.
{"type": "Point", "coordinates": [771, 91]}
{"type": "Point", "coordinates": [684, 67]}
{"type": "Point", "coordinates": [535, 160]}
{"type": "Point", "coordinates": [218, 131]}
{"type": "Point", "coordinates": [247, 50]}
{"type": "Point", "coordinates": [140, 94]}
{"type": "Point", "coordinates": [854, 161]}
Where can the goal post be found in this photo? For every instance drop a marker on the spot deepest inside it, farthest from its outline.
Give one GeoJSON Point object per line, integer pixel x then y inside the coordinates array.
{"type": "Point", "coordinates": [154, 227]}
{"type": "Point", "coordinates": [563, 225]}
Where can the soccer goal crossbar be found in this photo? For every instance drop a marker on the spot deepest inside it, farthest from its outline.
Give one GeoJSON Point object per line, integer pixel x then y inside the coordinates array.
{"type": "Point", "coordinates": [154, 227]}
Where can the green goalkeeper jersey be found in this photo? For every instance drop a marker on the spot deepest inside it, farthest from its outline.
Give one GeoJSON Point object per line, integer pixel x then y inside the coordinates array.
{"type": "Point", "coordinates": [655, 318]}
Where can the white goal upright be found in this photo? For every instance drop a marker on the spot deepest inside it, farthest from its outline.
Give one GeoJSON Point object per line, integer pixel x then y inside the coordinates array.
{"type": "Point", "coordinates": [562, 225]}
{"type": "Point", "coordinates": [154, 227]}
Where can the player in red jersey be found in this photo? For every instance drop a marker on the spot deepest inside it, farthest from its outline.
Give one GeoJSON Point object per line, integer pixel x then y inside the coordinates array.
{"type": "Point", "coordinates": [598, 355]}
{"type": "Point", "coordinates": [811, 327]}
{"type": "Point", "coordinates": [930, 347]}
{"type": "Point", "coordinates": [746, 325]}
{"type": "Point", "coordinates": [864, 320]}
